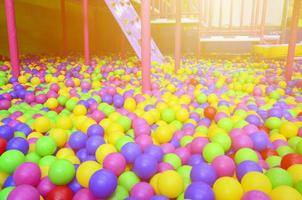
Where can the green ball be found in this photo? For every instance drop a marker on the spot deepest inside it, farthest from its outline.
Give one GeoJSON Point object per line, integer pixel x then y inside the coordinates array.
{"type": "Point", "coordinates": [32, 157]}
{"type": "Point", "coordinates": [201, 98]}
{"type": "Point", "coordinates": [240, 124]}
{"type": "Point", "coordinates": [273, 123]}
{"type": "Point", "coordinates": [122, 141]}
{"type": "Point", "coordinates": [283, 150]}
{"type": "Point", "coordinates": [119, 194]}
{"type": "Point", "coordinates": [185, 140]}
{"type": "Point", "coordinates": [167, 115]}
{"type": "Point", "coordinates": [10, 160]}
{"type": "Point", "coordinates": [125, 122]}
{"type": "Point", "coordinates": [45, 146]}
{"type": "Point", "coordinates": [223, 139]}
{"type": "Point", "coordinates": [299, 148]}
{"type": "Point", "coordinates": [298, 187]}
{"type": "Point", "coordinates": [273, 161]}
{"type": "Point", "coordinates": [202, 129]}
{"type": "Point", "coordinates": [177, 124]}
{"type": "Point", "coordinates": [226, 124]}
{"type": "Point", "coordinates": [47, 160]}
{"type": "Point", "coordinates": [245, 154]}
{"type": "Point", "coordinates": [211, 151]}
{"type": "Point", "coordinates": [61, 172]}
{"type": "Point", "coordinates": [5, 192]}
{"type": "Point", "coordinates": [172, 159]}
{"type": "Point", "coordinates": [128, 179]}
{"type": "Point", "coordinates": [62, 100]}
{"type": "Point", "coordinates": [278, 177]}
{"type": "Point", "coordinates": [70, 104]}
{"type": "Point", "coordinates": [184, 171]}
{"type": "Point", "coordinates": [108, 110]}
{"type": "Point", "coordinates": [293, 141]}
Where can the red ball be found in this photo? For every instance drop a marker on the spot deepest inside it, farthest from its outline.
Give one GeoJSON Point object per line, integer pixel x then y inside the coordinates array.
{"type": "Point", "coordinates": [264, 128]}
{"type": "Point", "coordinates": [265, 153]}
{"type": "Point", "coordinates": [60, 193]}
{"type": "Point", "coordinates": [209, 112]}
{"type": "Point", "coordinates": [290, 159]}
{"type": "Point", "coordinates": [193, 82]}
{"type": "Point", "coordinates": [2, 145]}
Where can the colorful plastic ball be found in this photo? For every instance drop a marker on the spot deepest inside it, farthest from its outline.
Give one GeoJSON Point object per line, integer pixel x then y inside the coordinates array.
{"type": "Point", "coordinates": [170, 184]}
{"type": "Point", "coordinates": [5, 192]}
{"type": "Point", "coordinates": [159, 197]}
{"type": "Point", "coordinates": [209, 112]}
{"type": "Point", "coordinates": [27, 174]}
{"type": "Point", "coordinates": [77, 140]}
{"type": "Point", "coordinates": [260, 140]}
{"type": "Point", "coordinates": [199, 191]}
{"type": "Point", "coordinates": [128, 179]}
{"type": "Point", "coordinates": [227, 188]}
{"type": "Point", "coordinates": [24, 192]}
{"type": "Point", "coordinates": [61, 172]}
{"type": "Point", "coordinates": [290, 159]}
{"type": "Point", "coordinates": [203, 173]}
{"type": "Point", "coordinates": [223, 139]}
{"type": "Point", "coordinates": [285, 192]}
{"type": "Point", "coordinates": [83, 194]}
{"type": "Point", "coordinates": [74, 185]}
{"type": "Point", "coordinates": [45, 186]}
{"type": "Point", "coordinates": [255, 195]}
{"type": "Point", "coordinates": [167, 115]}
{"type": "Point", "coordinates": [246, 167]}
{"type": "Point", "coordinates": [295, 172]}
{"type": "Point", "coordinates": [10, 160]}
{"type": "Point", "coordinates": [279, 177]}
{"type": "Point", "coordinates": [211, 151]}
{"type": "Point", "coordinates": [64, 122]}
{"type": "Point", "coordinates": [241, 141]}
{"type": "Point", "coordinates": [5, 104]}
{"type": "Point", "coordinates": [142, 191]}
{"type": "Point", "coordinates": [18, 143]}
{"type": "Point", "coordinates": [102, 183]}
{"type": "Point", "coordinates": [246, 154]}
{"type": "Point", "coordinates": [42, 124]}
{"type": "Point", "coordinates": [6, 132]}
{"type": "Point", "coordinates": [163, 134]}
{"type": "Point", "coordinates": [273, 123]}
{"type": "Point", "coordinates": [93, 142]}
{"type": "Point", "coordinates": [9, 181]}
{"type": "Point", "coordinates": [85, 171]}
{"type": "Point", "coordinates": [224, 166]}
{"type": "Point", "coordinates": [131, 151]}
{"type": "Point", "coordinates": [51, 103]}
{"type": "Point", "coordinates": [95, 129]}
{"type": "Point", "coordinates": [60, 192]}
{"type": "Point", "coordinates": [145, 166]}
{"type": "Point", "coordinates": [173, 160]}
{"type": "Point", "coordinates": [45, 145]}
{"type": "Point", "coordinates": [120, 193]}
{"type": "Point", "coordinates": [115, 162]}
{"type": "Point", "coordinates": [104, 150]}
{"type": "Point", "coordinates": [256, 181]}
{"type": "Point", "coordinates": [289, 129]}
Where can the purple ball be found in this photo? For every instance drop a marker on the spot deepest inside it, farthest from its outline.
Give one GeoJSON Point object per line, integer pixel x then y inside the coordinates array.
{"type": "Point", "coordinates": [154, 151]}
{"type": "Point", "coordinates": [103, 183]}
{"type": "Point", "coordinates": [77, 140]}
{"type": "Point", "coordinates": [247, 166]}
{"type": "Point", "coordinates": [6, 132]}
{"type": "Point", "coordinates": [95, 129]}
{"type": "Point", "coordinates": [19, 144]}
{"type": "Point", "coordinates": [145, 166]}
{"type": "Point", "coordinates": [142, 190]}
{"type": "Point", "coordinates": [82, 154]}
{"type": "Point", "coordinates": [203, 173]}
{"type": "Point", "coordinates": [260, 140]}
{"type": "Point", "coordinates": [93, 143]}
{"type": "Point", "coordinates": [27, 174]}
{"type": "Point", "coordinates": [106, 98]}
{"type": "Point", "coordinates": [24, 192]}
{"type": "Point", "coordinates": [253, 119]}
{"type": "Point", "coordinates": [159, 197]}
{"type": "Point", "coordinates": [195, 159]}
{"type": "Point", "coordinates": [131, 151]}
{"type": "Point", "coordinates": [118, 101]}
{"type": "Point", "coordinates": [74, 185]}
{"type": "Point", "coordinates": [199, 191]}
{"type": "Point", "coordinates": [255, 195]}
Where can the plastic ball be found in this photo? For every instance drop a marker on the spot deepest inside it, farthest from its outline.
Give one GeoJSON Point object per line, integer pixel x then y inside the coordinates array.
{"type": "Point", "coordinates": [170, 184]}
{"type": "Point", "coordinates": [145, 166]}
{"type": "Point", "coordinates": [255, 195]}
{"type": "Point", "coordinates": [203, 173]}
{"type": "Point", "coordinates": [128, 179]}
{"type": "Point", "coordinates": [85, 171]}
{"type": "Point", "coordinates": [227, 188]}
{"type": "Point", "coordinates": [211, 151]}
{"type": "Point", "coordinates": [142, 191]}
{"type": "Point", "coordinates": [60, 192]}
{"type": "Point", "coordinates": [77, 140]}
{"type": "Point", "coordinates": [45, 146]}
{"type": "Point", "coordinates": [246, 167]}
{"type": "Point", "coordinates": [102, 183]}
{"type": "Point", "coordinates": [79, 110]}
{"type": "Point", "coordinates": [245, 154]}
{"type": "Point", "coordinates": [27, 174]}
{"type": "Point", "coordinates": [95, 129]}
{"type": "Point", "coordinates": [24, 192]}
{"type": "Point", "coordinates": [104, 150]}
{"type": "Point", "coordinates": [131, 151]}
{"type": "Point", "coordinates": [223, 139]}
{"type": "Point", "coordinates": [172, 159]}
{"type": "Point", "coordinates": [256, 181]}
{"type": "Point", "coordinates": [92, 143]}
{"type": "Point", "coordinates": [285, 192]}
{"type": "Point", "coordinates": [6, 132]}
{"type": "Point", "coordinates": [83, 194]}
{"type": "Point", "coordinates": [279, 177]}
{"type": "Point", "coordinates": [290, 159]}
{"type": "Point", "coordinates": [224, 166]}
{"type": "Point", "coordinates": [42, 124]}
{"type": "Point", "coordinates": [289, 129]}
{"type": "Point", "coordinates": [10, 160]}
{"type": "Point", "coordinates": [115, 162]}
{"type": "Point", "coordinates": [5, 192]}
{"type": "Point", "coordinates": [45, 186]}
{"type": "Point", "coordinates": [163, 134]}
{"type": "Point", "coordinates": [167, 115]}
{"type": "Point", "coordinates": [18, 143]}
{"type": "Point", "coordinates": [199, 191]}
{"type": "Point", "coordinates": [61, 172]}
{"type": "Point", "coordinates": [295, 172]}
{"type": "Point", "coordinates": [210, 112]}
{"type": "Point", "coordinates": [120, 193]}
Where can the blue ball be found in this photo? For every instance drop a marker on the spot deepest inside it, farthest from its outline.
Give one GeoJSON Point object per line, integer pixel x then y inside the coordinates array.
{"type": "Point", "coordinates": [18, 143]}
{"type": "Point", "coordinates": [131, 151]}
{"type": "Point", "coordinates": [103, 183]}
{"type": "Point", "coordinates": [77, 140]}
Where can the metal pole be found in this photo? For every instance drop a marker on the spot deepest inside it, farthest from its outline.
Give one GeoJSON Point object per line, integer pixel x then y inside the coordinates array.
{"type": "Point", "coordinates": [178, 35]}
{"type": "Point", "coordinates": [12, 37]}
{"type": "Point", "coordinates": [292, 41]}
{"type": "Point", "coordinates": [146, 44]}
{"type": "Point", "coordinates": [86, 32]}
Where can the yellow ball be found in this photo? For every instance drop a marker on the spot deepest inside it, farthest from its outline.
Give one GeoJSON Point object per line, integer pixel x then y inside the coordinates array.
{"type": "Point", "coordinates": [285, 193]}
{"type": "Point", "coordinates": [3, 177]}
{"type": "Point", "coordinates": [163, 134]}
{"type": "Point", "coordinates": [102, 151]}
{"type": "Point", "coordinates": [256, 181]}
{"type": "Point", "coordinates": [79, 110]}
{"type": "Point", "coordinates": [44, 170]}
{"type": "Point", "coordinates": [170, 184]}
{"type": "Point", "coordinates": [130, 104]}
{"type": "Point", "coordinates": [227, 188]}
{"type": "Point", "coordinates": [85, 171]}
{"type": "Point", "coordinates": [289, 129]}
{"type": "Point", "coordinates": [59, 135]}
{"type": "Point", "coordinates": [35, 81]}
{"type": "Point", "coordinates": [22, 79]}
{"type": "Point", "coordinates": [42, 124]}
{"type": "Point", "coordinates": [64, 122]}
{"type": "Point", "coordinates": [51, 103]}
{"type": "Point", "coordinates": [154, 182]}
{"type": "Point", "coordinates": [296, 172]}
{"type": "Point", "coordinates": [182, 115]}
{"type": "Point", "coordinates": [64, 152]}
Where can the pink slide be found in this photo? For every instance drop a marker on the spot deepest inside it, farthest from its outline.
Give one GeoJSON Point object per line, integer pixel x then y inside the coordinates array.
{"type": "Point", "coordinates": [130, 23]}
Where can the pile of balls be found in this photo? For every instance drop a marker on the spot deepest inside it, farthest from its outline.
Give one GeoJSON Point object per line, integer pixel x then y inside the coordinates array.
{"type": "Point", "coordinates": [215, 129]}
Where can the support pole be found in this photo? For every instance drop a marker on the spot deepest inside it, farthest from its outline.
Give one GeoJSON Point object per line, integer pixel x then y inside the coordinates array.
{"type": "Point", "coordinates": [292, 41]}
{"type": "Point", "coordinates": [12, 37]}
{"type": "Point", "coordinates": [178, 35]}
{"type": "Point", "coordinates": [146, 45]}
{"type": "Point", "coordinates": [64, 30]}
{"type": "Point", "coordinates": [86, 32]}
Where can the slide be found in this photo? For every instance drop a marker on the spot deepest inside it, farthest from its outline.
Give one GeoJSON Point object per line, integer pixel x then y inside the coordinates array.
{"type": "Point", "coordinates": [130, 23]}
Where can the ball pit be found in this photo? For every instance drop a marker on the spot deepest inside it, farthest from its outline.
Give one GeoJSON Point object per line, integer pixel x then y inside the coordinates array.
{"type": "Point", "coordinates": [215, 130]}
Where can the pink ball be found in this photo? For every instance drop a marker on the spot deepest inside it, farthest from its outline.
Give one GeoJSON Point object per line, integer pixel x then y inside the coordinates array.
{"type": "Point", "coordinates": [198, 144]}
{"type": "Point", "coordinates": [142, 191]}
{"type": "Point", "coordinates": [235, 132]}
{"type": "Point", "coordinates": [249, 129]}
{"type": "Point", "coordinates": [97, 115]}
{"type": "Point", "coordinates": [242, 141]}
{"type": "Point", "coordinates": [27, 174]}
{"type": "Point", "coordinates": [224, 166]}
{"type": "Point", "coordinates": [29, 98]}
{"type": "Point", "coordinates": [24, 192]}
{"type": "Point", "coordinates": [4, 104]}
{"type": "Point", "coordinates": [45, 186]}
{"type": "Point", "coordinates": [163, 166]}
{"type": "Point", "coordinates": [144, 141]}
{"type": "Point", "coordinates": [41, 98]}
{"type": "Point", "coordinates": [142, 129]}
{"type": "Point", "coordinates": [255, 195]}
{"type": "Point", "coordinates": [168, 148]}
{"type": "Point", "coordinates": [184, 154]}
{"type": "Point", "coordinates": [115, 162]}
{"type": "Point", "coordinates": [84, 194]}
